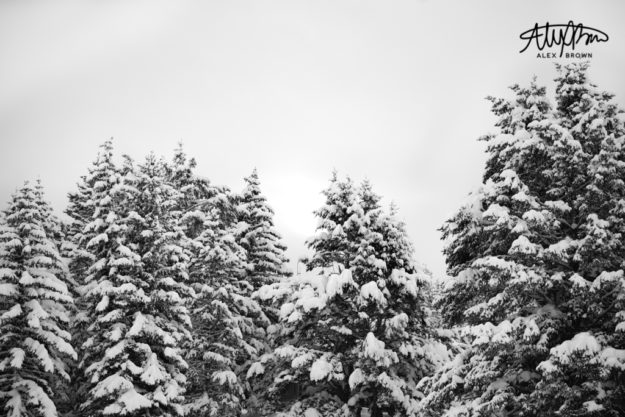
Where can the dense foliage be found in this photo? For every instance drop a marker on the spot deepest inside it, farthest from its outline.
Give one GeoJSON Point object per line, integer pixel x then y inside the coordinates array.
{"type": "Point", "coordinates": [163, 294]}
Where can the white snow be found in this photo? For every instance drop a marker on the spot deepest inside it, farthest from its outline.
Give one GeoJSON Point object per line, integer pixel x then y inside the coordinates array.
{"type": "Point", "coordinates": [560, 248]}
{"type": "Point", "coordinates": [375, 349]}
{"type": "Point", "coordinates": [520, 227]}
{"type": "Point", "coordinates": [342, 330]}
{"type": "Point", "coordinates": [302, 360]}
{"type": "Point", "coordinates": [7, 290]}
{"type": "Point", "coordinates": [558, 205]}
{"type": "Point", "coordinates": [336, 282]}
{"type": "Point", "coordinates": [592, 406]}
{"type": "Point", "coordinates": [137, 325]}
{"type": "Point", "coordinates": [13, 312]}
{"type": "Point", "coordinates": [320, 369]}
{"type": "Point", "coordinates": [256, 368]}
{"type": "Point", "coordinates": [103, 304]}
{"type": "Point", "coordinates": [583, 342]}
{"type": "Point", "coordinates": [531, 329]}
{"type": "Point", "coordinates": [152, 373]}
{"type": "Point", "coordinates": [500, 213]}
{"type": "Point", "coordinates": [41, 353]}
{"type": "Point", "coordinates": [579, 281]}
{"type": "Point", "coordinates": [225, 377]}
{"type": "Point", "coordinates": [127, 403]}
{"type": "Point", "coordinates": [309, 300]}
{"type": "Point", "coordinates": [294, 316]}
{"type": "Point", "coordinates": [115, 350]}
{"type": "Point", "coordinates": [370, 291]}
{"type": "Point", "coordinates": [612, 358]}
{"type": "Point", "coordinates": [524, 246]}
{"type": "Point", "coordinates": [111, 384]}
{"type": "Point", "coordinates": [37, 396]}
{"type": "Point", "coordinates": [407, 281]}
{"type": "Point", "coordinates": [311, 412]}
{"type": "Point", "coordinates": [159, 396]}
{"type": "Point", "coordinates": [534, 216]}
{"type": "Point", "coordinates": [501, 332]}
{"type": "Point", "coordinates": [607, 277]}
{"type": "Point", "coordinates": [7, 273]}
{"type": "Point", "coordinates": [286, 309]}
{"type": "Point", "coordinates": [26, 279]}
{"type": "Point", "coordinates": [493, 262]}
{"type": "Point", "coordinates": [101, 238]}
{"type": "Point", "coordinates": [356, 378]}
{"type": "Point", "coordinates": [399, 321]}
{"type": "Point", "coordinates": [285, 351]}
{"type": "Point", "coordinates": [17, 357]}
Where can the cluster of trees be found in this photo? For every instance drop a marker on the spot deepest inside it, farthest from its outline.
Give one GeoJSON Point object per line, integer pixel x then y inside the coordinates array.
{"type": "Point", "coordinates": [141, 304]}
{"type": "Point", "coordinates": [166, 295]}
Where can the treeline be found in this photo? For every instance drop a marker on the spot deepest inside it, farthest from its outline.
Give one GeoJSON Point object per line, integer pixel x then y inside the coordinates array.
{"type": "Point", "coordinates": [167, 295]}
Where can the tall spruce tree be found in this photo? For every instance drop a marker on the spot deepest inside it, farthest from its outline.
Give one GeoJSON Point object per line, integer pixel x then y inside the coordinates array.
{"type": "Point", "coordinates": [266, 260]}
{"type": "Point", "coordinates": [225, 334]}
{"type": "Point", "coordinates": [266, 264]}
{"type": "Point", "coordinates": [34, 308]}
{"type": "Point", "coordinates": [353, 333]}
{"type": "Point", "coordinates": [83, 210]}
{"type": "Point", "coordinates": [135, 294]}
{"type": "Point", "coordinates": [536, 260]}
{"type": "Point", "coordinates": [227, 323]}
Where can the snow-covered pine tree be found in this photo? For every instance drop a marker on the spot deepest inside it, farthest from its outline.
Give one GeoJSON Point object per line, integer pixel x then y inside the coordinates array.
{"type": "Point", "coordinates": [353, 333]}
{"type": "Point", "coordinates": [34, 303]}
{"type": "Point", "coordinates": [331, 245]}
{"type": "Point", "coordinates": [584, 372]}
{"type": "Point", "coordinates": [265, 258]}
{"type": "Point", "coordinates": [163, 324]}
{"type": "Point", "coordinates": [536, 261]}
{"type": "Point", "coordinates": [55, 231]}
{"type": "Point", "coordinates": [227, 323]}
{"type": "Point", "coordinates": [399, 349]}
{"type": "Point", "coordinates": [265, 252]}
{"type": "Point", "coordinates": [135, 294]}
{"type": "Point", "coordinates": [82, 210]}
{"type": "Point", "coordinates": [283, 384]}
{"type": "Point", "coordinates": [222, 320]}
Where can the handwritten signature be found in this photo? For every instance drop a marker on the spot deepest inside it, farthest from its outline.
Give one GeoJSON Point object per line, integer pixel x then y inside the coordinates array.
{"type": "Point", "coordinates": [570, 34]}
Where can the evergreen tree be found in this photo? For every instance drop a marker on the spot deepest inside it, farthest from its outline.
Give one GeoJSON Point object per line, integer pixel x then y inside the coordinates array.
{"type": "Point", "coordinates": [83, 210]}
{"type": "Point", "coordinates": [135, 296]}
{"type": "Point", "coordinates": [536, 261]}
{"type": "Point", "coordinates": [225, 331]}
{"type": "Point", "coordinates": [34, 303]}
{"type": "Point", "coordinates": [227, 323]}
{"type": "Point", "coordinates": [353, 333]}
{"type": "Point", "coordinates": [331, 245]}
{"type": "Point", "coordinates": [257, 235]}
{"type": "Point", "coordinates": [266, 263]}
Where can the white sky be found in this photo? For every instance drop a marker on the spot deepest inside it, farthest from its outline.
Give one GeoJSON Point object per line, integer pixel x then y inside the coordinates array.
{"type": "Point", "coordinates": [391, 91]}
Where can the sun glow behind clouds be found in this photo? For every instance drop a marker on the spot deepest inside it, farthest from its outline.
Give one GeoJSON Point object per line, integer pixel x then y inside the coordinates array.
{"type": "Point", "coordinates": [294, 196]}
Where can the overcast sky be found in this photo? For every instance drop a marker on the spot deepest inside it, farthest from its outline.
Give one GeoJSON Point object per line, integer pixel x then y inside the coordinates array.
{"type": "Point", "coordinates": [390, 91]}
